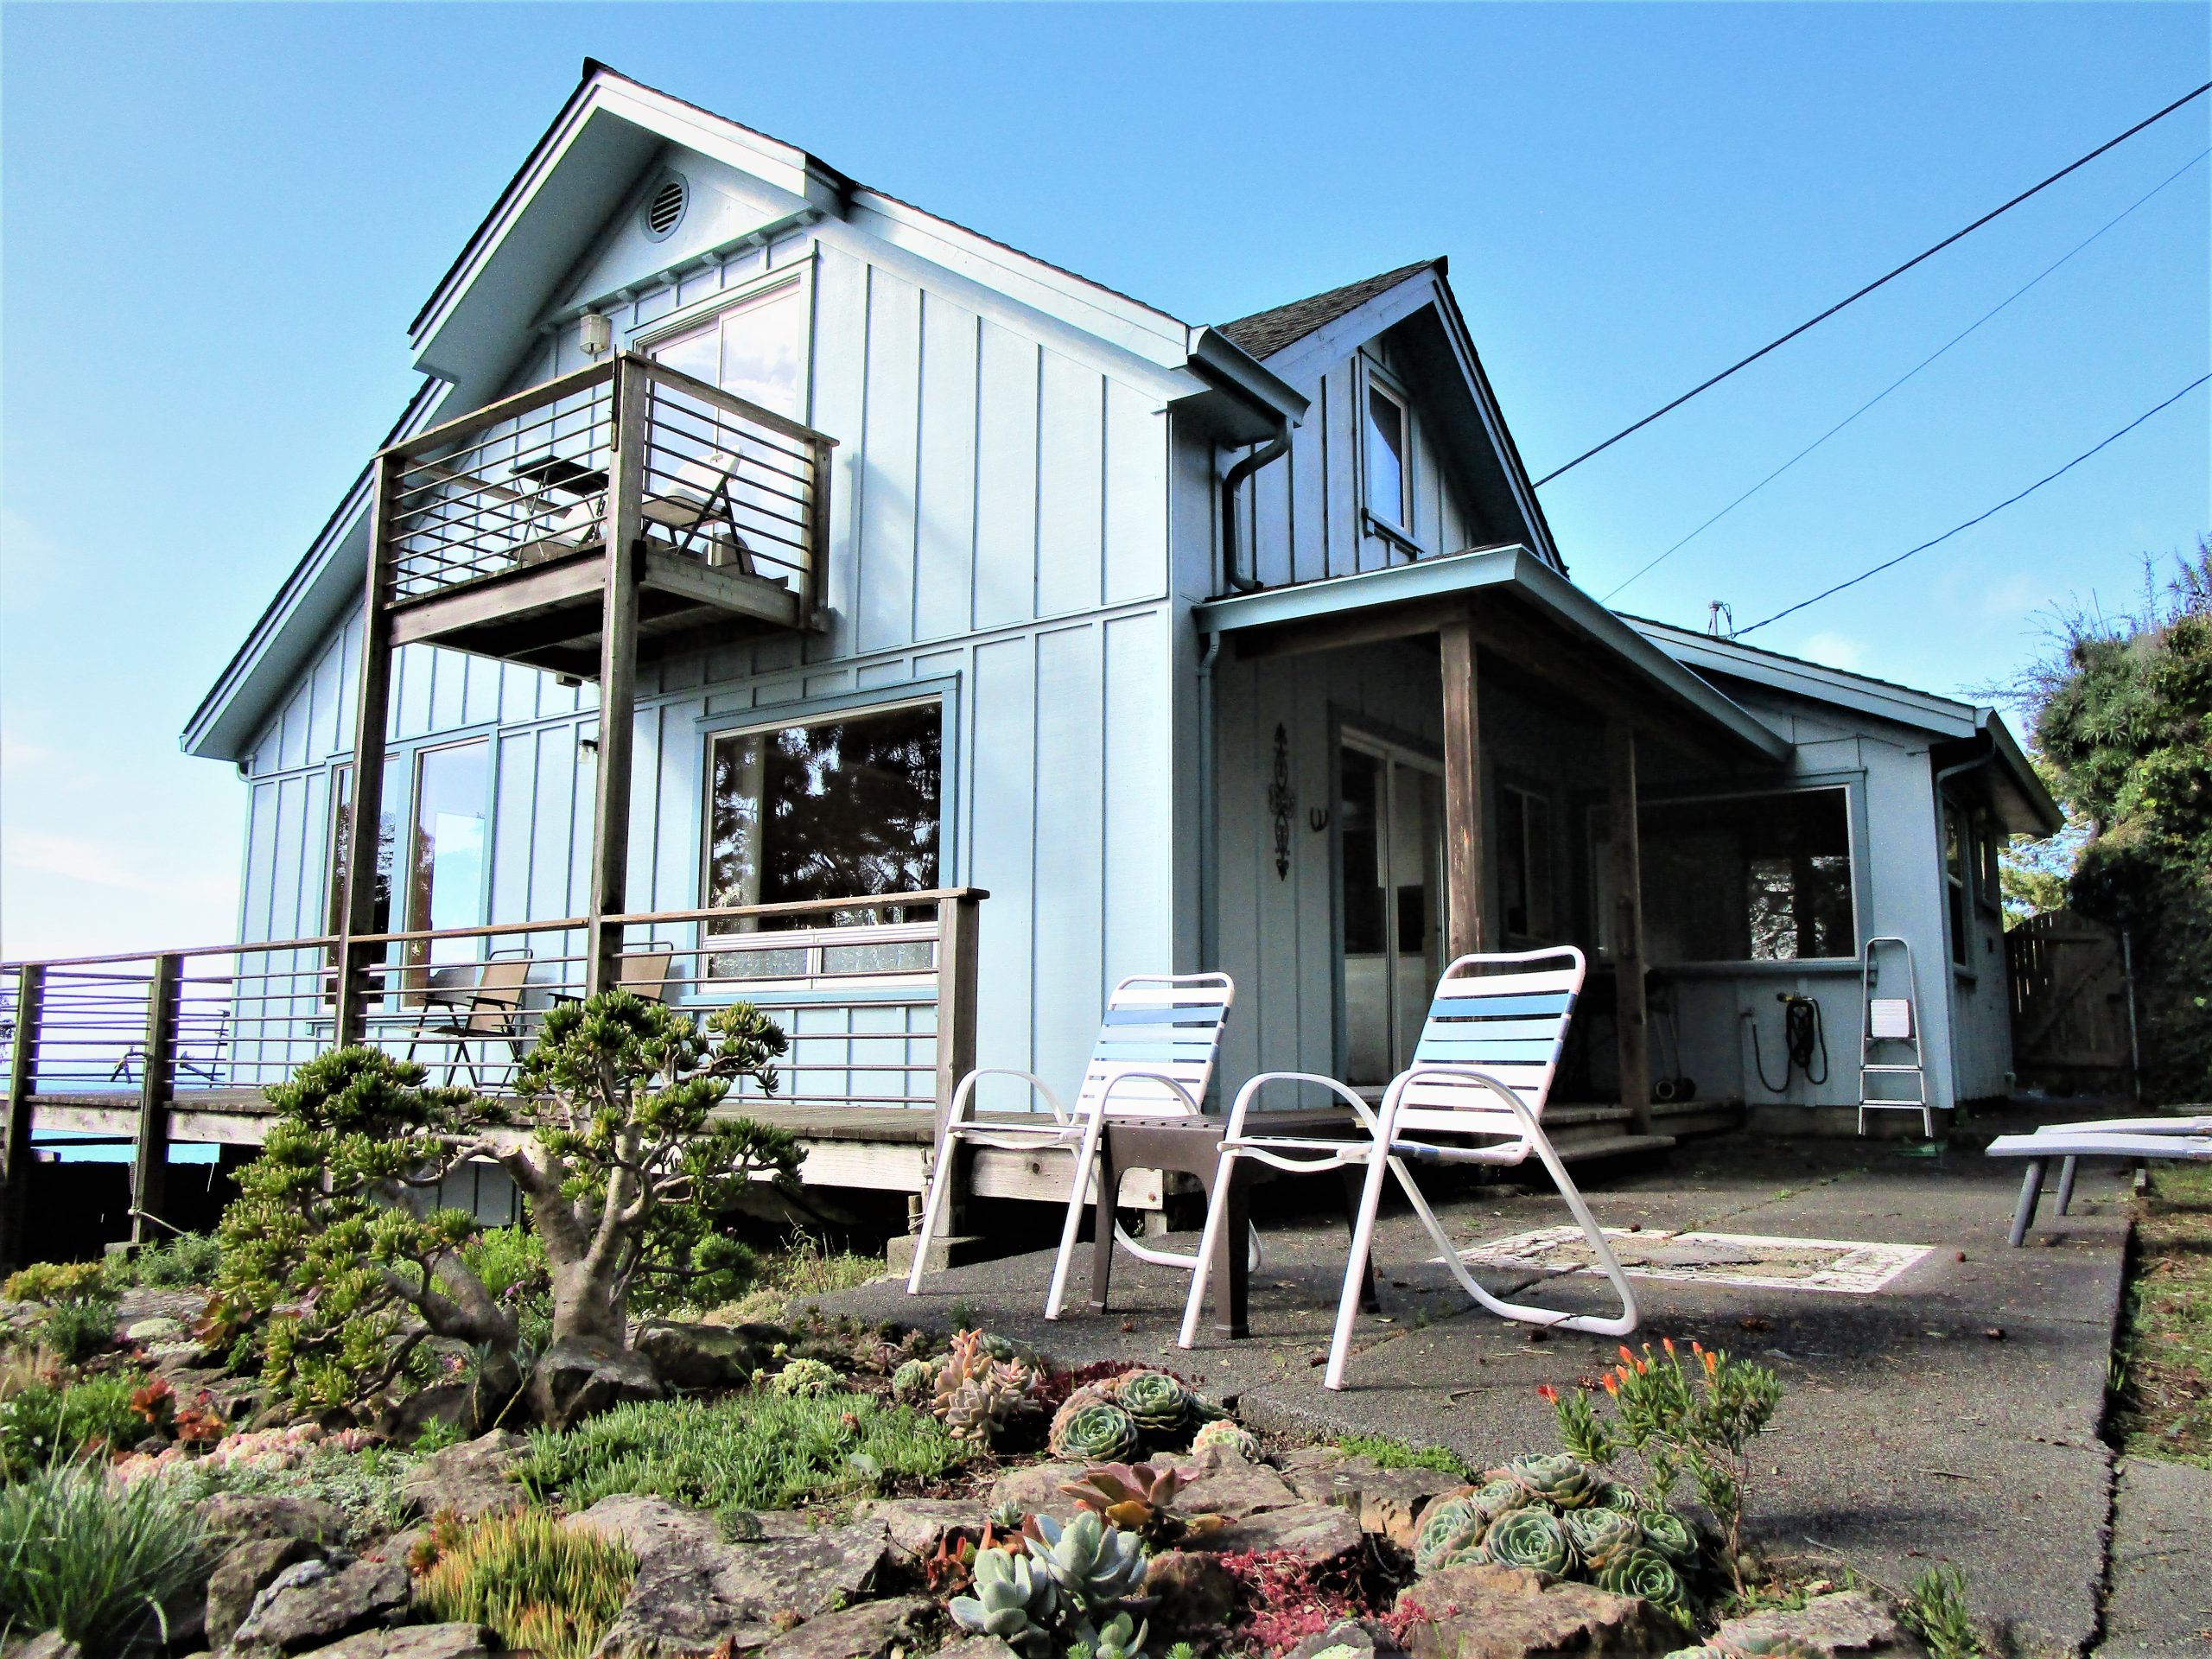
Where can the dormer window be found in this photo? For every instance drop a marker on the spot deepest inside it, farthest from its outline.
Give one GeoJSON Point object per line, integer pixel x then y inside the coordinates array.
{"type": "Point", "coordinates": [1388, 468]}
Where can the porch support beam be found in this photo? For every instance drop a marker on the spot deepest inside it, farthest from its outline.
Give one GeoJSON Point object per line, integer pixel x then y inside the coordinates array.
{"type": "Point", "coordinates": [618, 677]}
{"type": "Point", "coordinates": [1463, 793]}
{"type": "Point", "coordinates": [22, 1083]}
{"type": "Point", "coordinates": [1630, 1017]}
{"type": "Point", "coordinates": [149, 1163]}
{"type": "Point", "coordinates": [364, 810]}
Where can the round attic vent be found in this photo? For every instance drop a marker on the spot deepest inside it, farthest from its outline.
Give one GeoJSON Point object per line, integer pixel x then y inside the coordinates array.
{"type": "Point", "coordinates": [665, 206]}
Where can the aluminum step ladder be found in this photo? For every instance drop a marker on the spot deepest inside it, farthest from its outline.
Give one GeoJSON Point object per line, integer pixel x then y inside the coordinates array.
{"type": "Point", "coordinates": [1890, 1025]}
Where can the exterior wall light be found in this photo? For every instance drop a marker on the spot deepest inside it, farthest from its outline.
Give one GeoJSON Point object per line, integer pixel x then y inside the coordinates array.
{"type": "Point", "coordinates": [598, 335]}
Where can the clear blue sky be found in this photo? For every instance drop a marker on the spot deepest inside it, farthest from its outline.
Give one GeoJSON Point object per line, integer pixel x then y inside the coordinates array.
{"type": "Point", "coordinates": [218, 221]}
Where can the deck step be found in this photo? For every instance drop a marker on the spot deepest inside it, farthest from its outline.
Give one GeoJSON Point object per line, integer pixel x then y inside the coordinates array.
{"type": "Point", "coordinates": [1581, 1148]}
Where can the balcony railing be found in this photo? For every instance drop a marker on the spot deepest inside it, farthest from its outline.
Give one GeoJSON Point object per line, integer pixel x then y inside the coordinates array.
{"type": "Point", "coordinates": [877, 996]}
{"type": "Point", "coordinates": [495, 527]}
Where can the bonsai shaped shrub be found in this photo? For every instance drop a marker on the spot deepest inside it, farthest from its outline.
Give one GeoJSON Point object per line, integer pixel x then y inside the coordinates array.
{"type": "Point", "coordinates": [336, 1280]}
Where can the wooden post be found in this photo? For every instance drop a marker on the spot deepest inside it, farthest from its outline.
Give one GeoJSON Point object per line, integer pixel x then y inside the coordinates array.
{"type": "Point", "coordinates": [618, 672]}
{"type": "Point", "coordinates": [957, 957]}
{"type": "Point", "coordinates": [1463, 793]}
{"type": "Point", "coordinates": [23, 1084]}
{"type": "Point", "coordinates": [365, 812]}
{"type": "Point", "coordinates": [818, 530]}
{"type": "Point", "coordinates": [149, 1164]}
{"type": "Point", "coordinates": [1627, 931]}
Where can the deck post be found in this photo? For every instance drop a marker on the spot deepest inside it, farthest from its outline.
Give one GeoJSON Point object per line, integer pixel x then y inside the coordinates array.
{"type": "Point", "coordinates": [957, 957]}
{"type": "Point", "coordinates": [817, 530]}
{"type": "Point", "coordinates": [356, 963]}
{"type": "Point", "coordinates": [1631, 1018]}
{"type": "Point", "coordinates": [1463, 793]}
{"type": "Point", "coordinates": [23, 1084]}
{"type": "Point", "coordinates": [618, 672]}
{"type": "Point", "coordinates": [149, 1163]}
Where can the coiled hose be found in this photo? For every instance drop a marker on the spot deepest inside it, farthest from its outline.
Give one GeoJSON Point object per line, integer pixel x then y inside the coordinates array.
{"type": "Point", "coordinates": [1803, 1036]}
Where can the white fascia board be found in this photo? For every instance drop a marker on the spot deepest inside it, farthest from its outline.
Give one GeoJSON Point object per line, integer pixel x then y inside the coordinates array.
{"type": "Point", "coordinates": [1900, 704]}
{"type": "Point", "coordinates": [1303, 362]}
{"type": "Point", "coordinates": [1130, 324]}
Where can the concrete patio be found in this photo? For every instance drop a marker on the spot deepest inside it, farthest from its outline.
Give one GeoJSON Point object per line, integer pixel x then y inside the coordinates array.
{"type": "Point", "coordinates": [1952, 1416]}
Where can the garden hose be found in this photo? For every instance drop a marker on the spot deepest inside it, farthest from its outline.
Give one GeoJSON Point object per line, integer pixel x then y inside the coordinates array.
{"type": "Point", "coordinates": [1803, 1036]}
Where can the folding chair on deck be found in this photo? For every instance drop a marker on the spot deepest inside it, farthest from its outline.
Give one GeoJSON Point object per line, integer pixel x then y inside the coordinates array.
{"type": "Point", "coordinates": [1154, 1058]}
{"type": "Point", "coordinates": [1484, 1068]}
{"type": "Point", "coordinates": [489, 1010]}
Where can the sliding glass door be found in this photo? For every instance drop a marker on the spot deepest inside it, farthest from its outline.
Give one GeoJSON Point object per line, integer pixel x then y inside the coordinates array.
{"type": "Point", "coordinates": [1390, 814]}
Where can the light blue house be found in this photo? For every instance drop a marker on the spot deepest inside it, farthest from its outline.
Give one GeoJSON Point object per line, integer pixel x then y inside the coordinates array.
{"type": "Point", "coordinates": [938, 567]}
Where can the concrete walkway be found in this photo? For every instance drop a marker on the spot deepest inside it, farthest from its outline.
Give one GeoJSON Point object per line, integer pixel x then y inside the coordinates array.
{"type": "Point", "coordinates": [1951, 1416]}
{"type": "Point", "coordinates": [2159, 1602]}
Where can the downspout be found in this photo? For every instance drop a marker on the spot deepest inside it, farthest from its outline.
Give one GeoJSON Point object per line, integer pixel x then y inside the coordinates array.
{"type": "Point", "coordinates": [1947, 970]}
{"type": "Point", "coordinates": [1231, 568]}
{"type": "Point", "coordinates": [1209, 871]}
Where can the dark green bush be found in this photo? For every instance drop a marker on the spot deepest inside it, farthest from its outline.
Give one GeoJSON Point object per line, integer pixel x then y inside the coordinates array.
{"type": "Point", "coordinates": [73, 1331]}
{"type": "Point", "coordinates": [87, 1555]}
{"type": "Point", "coordinates": [44, 1423]}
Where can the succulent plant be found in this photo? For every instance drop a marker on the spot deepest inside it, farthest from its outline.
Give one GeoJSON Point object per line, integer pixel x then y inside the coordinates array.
{"type": "Point", "coordinates": [1007, 1516]}
{"type": "Point", "coordinates": [1529, 1537]}
{"type": "Point", "coordinates": [1617, 1495]}
{"type": "Point", "coordinates": [914, 1382]}
{"type": "Point", "coordinates": [1137, 1498]}
{"type": "Point", "coordinates": [1015, 1600]}
{"type": "Point", "coordinates": [1643, 1571]}
{"type": "Point", "coordinates": [1496, 1497]}
{"type": "Point", "coordinates": [1669, 1534]}
{"type": "Point", "coordinates": [1092, 1429]}
{"type": "Point", "coordinates": [1119, 1637]}
{"type": "Point", "coordinates": [1230, 1436]}
{"type": "Point", "coordinates": [1702, 1653]}
{"type": "Point", "coordinates": [805, 1376]}
{"type": "Point", "coordinates": [1159, 1404]}
{"type": "Point", "coordinates": [1095, 1566]}
{"type": "Point", "coordinates": [1558, 1479]}
{"type": "Point", "coordinates": [1451, 1533]}
{"type": "Point", "coordinates": [1600, 1535]}
{"type": "Point", "coordinates": [975, 1394]}
{"type": "Point", "coordinates": [1007, 1350]}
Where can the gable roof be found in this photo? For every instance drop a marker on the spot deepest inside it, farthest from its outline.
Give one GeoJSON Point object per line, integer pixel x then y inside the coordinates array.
{"type": "Point", "coordinates": [1265, 333]}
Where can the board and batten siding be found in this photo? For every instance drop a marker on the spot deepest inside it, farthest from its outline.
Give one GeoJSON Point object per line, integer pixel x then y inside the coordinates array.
{"type": "Point", "coordinates": [998, 534]}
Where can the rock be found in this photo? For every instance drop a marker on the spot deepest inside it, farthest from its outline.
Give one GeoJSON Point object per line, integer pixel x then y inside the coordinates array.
{"type": "Point", "coordinates": [415, 1641]}
{"type": "Point", "coordinates": [766, 1526]}
{"type": "Point", "coordinates": [451, 1405]}
{"type": "Point", "coordinates": [918, 1525]}
{"type": "Point", "coordinates": [1506, 1613]}
{"type": "Point", "coordinates": [1036, 1490]}
{"type": "Point", "coordinates": [1314, 1457]}
{"type": "Point", "coordinates": [1848, 1625]}
{"type": "Point", "coordinates": [1387, 1501]}
{"type": "Point", "coordinates": [160, 1328]}
{"type": "Point", "coordinates": [1193, 1592]}
{"type": "Point", "coordinates": [1234, 1488]}
{"type": "Point", "coordinates": [647, 1525]}
{"type": "Point", "coordinates": [1356, 1638]}
{"type": "Point", "coordinates": [245, 1570]}
{"type": "Point", "coordinates": [147, 1302]}
{"type": "Point", "coordinates": [573, 1380]}
{"type": "Point", "coordinates": [51, 1644]}
{"type": "Point", "coordinates": [474, 1478]}
{"type": "Point", "coordinates": [867, 1632]}
{"type": "Point", "coordinates": [312, 1603]}
{"type": "Point", "coordinates": [241, 1516]}
{"type": "Point", "coordinates": [1320, 1534]}
{"type": "Point", "coordinates": [977, 1647]}
{"type": "Point", "coordinates": [706, 1356]}
{"type": "Point", "coordinates": [690, 1599]}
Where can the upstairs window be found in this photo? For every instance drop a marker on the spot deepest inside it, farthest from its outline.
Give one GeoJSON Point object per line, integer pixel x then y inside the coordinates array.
{"type": "Point", "coordinates": [751, 349]}
{"type": "Point", "coordinates": [1389, 473]}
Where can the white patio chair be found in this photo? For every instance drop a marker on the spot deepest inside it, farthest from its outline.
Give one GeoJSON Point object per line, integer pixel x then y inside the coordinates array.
{"type": "Point", "coordinates": [1483, 1067]}
{"type": "Point", "coordinates": [2133, 1139]}
{"type": "Point", "coordinates": [1154, 1058]}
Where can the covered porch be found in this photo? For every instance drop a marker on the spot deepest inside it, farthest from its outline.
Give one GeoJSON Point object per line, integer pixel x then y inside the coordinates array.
{"type": "Point", "coordinates": [1413, 763]}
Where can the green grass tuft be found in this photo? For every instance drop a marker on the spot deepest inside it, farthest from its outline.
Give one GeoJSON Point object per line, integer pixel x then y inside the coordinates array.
{"type": "Point", "coordinates": [44, 1423]}
{"type": "Point", "coordinates": [539, 1586]}
{"type": "Point", "coordinates": [82, 1554]}
{"type": "Point", "coordinates": [1386, 1453]}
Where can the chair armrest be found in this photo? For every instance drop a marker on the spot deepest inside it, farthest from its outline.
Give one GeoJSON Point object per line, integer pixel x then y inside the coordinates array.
{"type": "Point", "coordinates": [1245, 1095]}
{"type": "Point", "coordinates": [960, 1096]}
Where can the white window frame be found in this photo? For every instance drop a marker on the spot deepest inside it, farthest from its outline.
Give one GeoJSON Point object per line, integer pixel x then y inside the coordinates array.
{"type": "Point", "coordinates": [1396, 527]}
{"type": "Point", "coordinates": [649, 337]}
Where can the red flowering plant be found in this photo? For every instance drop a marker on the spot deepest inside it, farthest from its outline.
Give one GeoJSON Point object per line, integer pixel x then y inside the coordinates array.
{"type": "Point", "coordinates": [1698, 1419]}
{"type": "Point", "coordinates": [1283, 1598]}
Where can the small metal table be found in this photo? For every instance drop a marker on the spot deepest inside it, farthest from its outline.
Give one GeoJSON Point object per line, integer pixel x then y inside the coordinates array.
{"type": "Point", "coordinates": [1192, 1145]}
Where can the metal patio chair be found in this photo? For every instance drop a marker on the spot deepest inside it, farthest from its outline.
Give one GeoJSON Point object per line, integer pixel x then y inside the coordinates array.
{"type": "Point", "coordinates": [2136, 1139]}
{"type": "Point", "coordinates": [488, 1010]}
{"type": "Point", "coordinates": [1482, 1068]}
{"type": "Point", "coordinates": [1155, 1060]}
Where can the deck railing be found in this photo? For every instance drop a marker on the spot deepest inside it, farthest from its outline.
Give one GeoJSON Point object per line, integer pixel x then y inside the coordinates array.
{"type": "Point", "coordinates": [525, 482]}
{"type": "Point", "coordinates": [877, 996]}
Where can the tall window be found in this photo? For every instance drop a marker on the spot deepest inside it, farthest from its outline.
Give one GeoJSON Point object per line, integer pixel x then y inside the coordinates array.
{"type": "Point", "coordinates": [1524, 863]}
{"type": "Point", "coordinates": [1388, 476]}
{"type": "Point", "coordinates": [341, 801]}
{"type": "Point", "coordinates": [751, 350]}
{"type": "Point", "coordinates": [445, 853]}
{"type": "Point", "coordinates": [1750, 878]}
{"type": "Point", "coordinates": [841, 808]}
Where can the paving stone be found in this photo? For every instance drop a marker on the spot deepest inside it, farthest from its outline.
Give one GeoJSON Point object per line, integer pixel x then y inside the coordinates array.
{"type": "Point", "coordinates": [867, 1632]}
{"type": "Point", "coordinates": [1505, 1612]}
{"type": "Point", "coordinates": [2160, 1598]}
{"type": "Point", "coordinates": [1320, 1534]}
{"type": "Point", "coordinates": [312, 1603]}
{"type": "Point", "coordinates": [1849, 1624]}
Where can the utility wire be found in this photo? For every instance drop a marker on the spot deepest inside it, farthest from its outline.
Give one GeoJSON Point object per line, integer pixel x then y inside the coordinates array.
{"type": "Point", "coordinates": [1661, 558]}
{"type": "Point", "coordinates": [1706, 385]}
{"type": "Point", "coordinates": [1888, 564]}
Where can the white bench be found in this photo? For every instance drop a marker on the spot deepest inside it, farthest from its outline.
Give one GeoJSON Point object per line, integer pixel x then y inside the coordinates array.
{"type": "Point", "coordinates": [2135, 1139]}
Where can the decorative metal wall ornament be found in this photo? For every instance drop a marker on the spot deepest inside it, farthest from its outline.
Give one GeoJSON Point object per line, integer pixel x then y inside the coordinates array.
{"type": "Point", "coordinates": [1282, 802]}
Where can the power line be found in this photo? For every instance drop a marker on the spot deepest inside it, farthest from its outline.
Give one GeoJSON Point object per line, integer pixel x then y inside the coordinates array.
{"type": "Point", "coordinates": [1888, 564]}
{"type": "Point", "coordinates": [1661, 558]}
{"type": "Point", "coordinates": [1708, 386]}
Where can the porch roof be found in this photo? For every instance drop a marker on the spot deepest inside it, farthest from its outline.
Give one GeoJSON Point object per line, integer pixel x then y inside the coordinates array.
{"type": "Point", "coordinates": [1512, 582]}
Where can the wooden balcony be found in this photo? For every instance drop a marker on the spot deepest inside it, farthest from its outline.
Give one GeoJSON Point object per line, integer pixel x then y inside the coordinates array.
{"type": "Point", "coordinates": [492, 531]}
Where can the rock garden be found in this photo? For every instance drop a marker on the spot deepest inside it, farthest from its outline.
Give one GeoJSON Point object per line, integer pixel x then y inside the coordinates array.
{"type": "Point", "coordinates": [352, 1428]}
